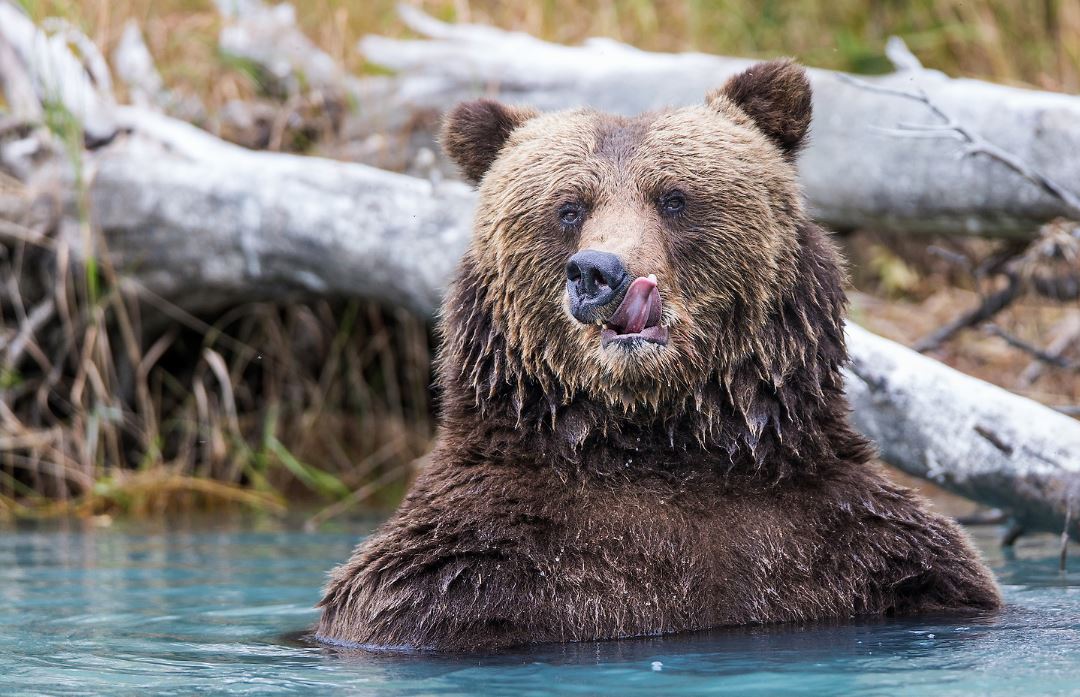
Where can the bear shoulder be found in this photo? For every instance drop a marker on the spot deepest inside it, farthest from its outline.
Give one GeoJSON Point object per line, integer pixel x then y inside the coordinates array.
{"type": "Point", "coordinates": [915, 560]}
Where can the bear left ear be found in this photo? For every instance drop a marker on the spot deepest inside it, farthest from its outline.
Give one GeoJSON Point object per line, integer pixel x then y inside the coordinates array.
{"type": "Point", "coordinates": [474, 132]}
{"type": "Point", "coordinates": [776, 95]}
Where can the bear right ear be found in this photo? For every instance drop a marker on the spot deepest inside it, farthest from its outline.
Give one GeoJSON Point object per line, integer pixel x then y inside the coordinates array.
{"type": "Point", "coordinates": [474, 132]}
{"type": "Point", "coordinates": [776, 95]}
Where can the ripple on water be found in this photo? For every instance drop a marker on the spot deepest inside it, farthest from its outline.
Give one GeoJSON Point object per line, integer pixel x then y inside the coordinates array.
{"type": "Point", "coordinates": [122, 612]}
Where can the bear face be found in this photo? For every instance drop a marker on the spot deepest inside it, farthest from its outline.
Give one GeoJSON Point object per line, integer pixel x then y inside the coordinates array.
{"type": "Point", "coordinates": [692, 214]}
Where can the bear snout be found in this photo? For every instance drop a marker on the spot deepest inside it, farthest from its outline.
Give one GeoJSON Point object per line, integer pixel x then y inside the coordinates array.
{"type": "Point", "coordinates": [595, 282]}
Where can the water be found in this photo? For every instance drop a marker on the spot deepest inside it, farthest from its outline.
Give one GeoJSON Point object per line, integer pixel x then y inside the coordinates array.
{"type": "Point", "coordinates": [127, 611]}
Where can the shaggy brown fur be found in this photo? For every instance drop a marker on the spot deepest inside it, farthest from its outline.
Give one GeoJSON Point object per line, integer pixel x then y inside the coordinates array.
{"type": "Point", "coordinates": [581, 492]}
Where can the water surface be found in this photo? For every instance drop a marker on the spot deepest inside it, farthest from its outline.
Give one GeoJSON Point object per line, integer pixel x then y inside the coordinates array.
{"type": "Point", "coordinates": [126, 610]}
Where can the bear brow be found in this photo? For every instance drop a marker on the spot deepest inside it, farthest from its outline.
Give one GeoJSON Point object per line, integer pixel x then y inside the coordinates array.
{"type": "Point", "coordinates": [618, 138]}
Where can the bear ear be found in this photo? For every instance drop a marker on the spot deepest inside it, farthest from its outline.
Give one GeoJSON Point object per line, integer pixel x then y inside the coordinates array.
{"type": "Point", "coordinates": [474, 132]}
{"type": "Point", "coordinates": [776, 95]}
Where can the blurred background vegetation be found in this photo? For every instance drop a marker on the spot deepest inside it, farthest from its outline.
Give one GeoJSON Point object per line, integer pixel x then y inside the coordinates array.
{"type": "Point", "coordinates": [1032, 42]}
{"type": "Point", "coordinates": [277, 406]}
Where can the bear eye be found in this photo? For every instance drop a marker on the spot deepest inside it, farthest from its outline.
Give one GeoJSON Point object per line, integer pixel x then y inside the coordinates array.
{"type": "Point", "coordinates": [571, 214]}
{"type": "Point", "coordinates": [672, 203]}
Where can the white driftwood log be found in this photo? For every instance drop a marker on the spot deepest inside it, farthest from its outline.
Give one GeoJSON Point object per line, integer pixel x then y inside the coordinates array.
{"type": "Point", "coordinates": [30, 56]}
{"type": "Point", "coordinates": [205, 224]}
{"type": "Point", "coordinates": [966, 435]}
{"type": "Point", "coordinates": [857, 171]}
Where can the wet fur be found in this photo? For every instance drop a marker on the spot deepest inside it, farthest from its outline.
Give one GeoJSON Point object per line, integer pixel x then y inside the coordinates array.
{"type": "Point", "coordinates": [577, 493]}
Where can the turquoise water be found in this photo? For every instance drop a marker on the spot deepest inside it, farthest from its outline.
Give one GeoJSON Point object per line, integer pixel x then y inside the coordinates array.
{"type": "Point", "coordinates": [124, 611]}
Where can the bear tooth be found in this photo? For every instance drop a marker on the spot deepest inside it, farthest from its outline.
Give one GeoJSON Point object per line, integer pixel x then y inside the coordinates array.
{"type": "Point", "coordinates": [652, 277]}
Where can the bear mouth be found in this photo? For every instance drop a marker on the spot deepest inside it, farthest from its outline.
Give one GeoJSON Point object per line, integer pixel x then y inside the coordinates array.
{"type": "Point", "coordinates": [637, 319]}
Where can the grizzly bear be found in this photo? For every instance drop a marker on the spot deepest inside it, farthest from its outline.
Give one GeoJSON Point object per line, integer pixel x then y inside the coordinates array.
{"type": "Point", "coordinates": [643, 420]}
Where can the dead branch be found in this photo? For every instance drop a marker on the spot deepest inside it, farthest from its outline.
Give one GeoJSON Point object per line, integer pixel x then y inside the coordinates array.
{"type": "Point", "coordinates": [991, 305]}
{"type": "Point", "coordinates": [950, 127]}
{"type": "Point", "coordinates": [135, 68]}
{"type": "Point", "coordinates": [1039, 354]}
{"type": "Point", "coordinates": [56, 74]}
{"type": "Point", "coordinates": [992, 516]}
{"type": "Point", "coordinates": [283, 225]}
{"type": "Point", "coordinates": [1062, 339]}
{"type": "Point", "coordinates": [1048, 267]}
{"type": "Point", "coordinates": [267, 36]}
{"type": "Point", "coordinates": [1064, 554]}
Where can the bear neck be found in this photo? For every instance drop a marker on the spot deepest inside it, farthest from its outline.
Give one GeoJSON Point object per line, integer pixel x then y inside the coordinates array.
{"type": "Point", "coordinates": [774, 413]}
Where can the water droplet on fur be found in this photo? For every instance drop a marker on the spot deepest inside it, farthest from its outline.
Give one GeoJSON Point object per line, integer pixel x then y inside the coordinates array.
{"type": "Point", "coordinates": [657, 666]}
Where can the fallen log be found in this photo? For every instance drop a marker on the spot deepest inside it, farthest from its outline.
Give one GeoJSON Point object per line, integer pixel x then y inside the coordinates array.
{"type": "Point", "coordinates": [205, 223]}
{"type": "Point", "coordinates": [859, 170]}
{"type": "Point", "coordinates": [188, 218]}
{"type": "Point", "coordinates": [968, 436]}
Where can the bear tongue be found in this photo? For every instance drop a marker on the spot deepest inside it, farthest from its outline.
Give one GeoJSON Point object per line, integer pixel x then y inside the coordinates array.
{"type": "Point", "coordinates": [640, 307]}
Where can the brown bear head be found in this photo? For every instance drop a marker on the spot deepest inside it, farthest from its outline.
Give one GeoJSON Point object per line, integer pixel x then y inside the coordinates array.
{"type": "Point", "coordinates": [640, 262]}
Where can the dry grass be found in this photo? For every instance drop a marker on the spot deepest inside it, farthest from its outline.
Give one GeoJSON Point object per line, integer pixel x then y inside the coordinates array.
{"type": "Point", "coordinates": [268, 404]}
{"type": "Point", "coordinates": [105, 407]}
{"type": "Point", "coordinates": [1035, 43]}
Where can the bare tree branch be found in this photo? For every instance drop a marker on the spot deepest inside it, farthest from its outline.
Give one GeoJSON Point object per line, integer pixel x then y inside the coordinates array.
{"type": "Point", "coordinates": [1063, 338]}
{"type": "Point", "coordinates": [990, 306]}
{"type": "Point", "coordinates": [1026, 347]}
{"type": "Point", "coordinates": [977, 145]}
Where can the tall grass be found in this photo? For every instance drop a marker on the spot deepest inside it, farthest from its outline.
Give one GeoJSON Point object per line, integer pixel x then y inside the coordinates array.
{"type": "Point", "coordinates": [1016, 41]}
{"type": "Point", "coordinates": [265, 405]}
{"type": "Point", "coordinates": [111, 403]}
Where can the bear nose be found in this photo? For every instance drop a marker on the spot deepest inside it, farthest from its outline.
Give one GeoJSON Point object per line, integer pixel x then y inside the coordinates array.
{"type": "Point", "coordinates": [593, 279]}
